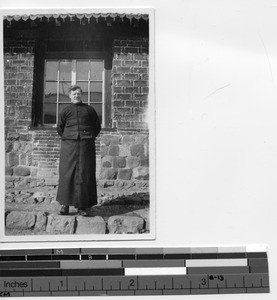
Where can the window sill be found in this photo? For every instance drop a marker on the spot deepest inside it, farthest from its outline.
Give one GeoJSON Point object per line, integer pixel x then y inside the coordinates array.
{"type": "Point", "coordinates": [103, 130]}
{"type": "Point", "coordinates": [50, 128]}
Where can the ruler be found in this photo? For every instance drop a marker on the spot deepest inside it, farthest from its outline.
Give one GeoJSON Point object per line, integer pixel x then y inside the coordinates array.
{"type": "Point", "coordinates": [132, 271]}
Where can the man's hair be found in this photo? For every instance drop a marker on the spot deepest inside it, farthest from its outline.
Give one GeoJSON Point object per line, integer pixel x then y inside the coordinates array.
{"type": "Point", "coordinates": [74, 87]}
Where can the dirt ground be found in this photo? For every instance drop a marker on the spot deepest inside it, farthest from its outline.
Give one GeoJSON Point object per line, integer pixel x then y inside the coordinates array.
{"type": "Point", "coordinates": [111, 201]}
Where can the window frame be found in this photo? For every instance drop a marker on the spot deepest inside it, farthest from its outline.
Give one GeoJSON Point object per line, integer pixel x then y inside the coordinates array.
{"type": "Point", "coordinates": [42, 56]}
{"type": "Point", "coordinates": [73, 80]}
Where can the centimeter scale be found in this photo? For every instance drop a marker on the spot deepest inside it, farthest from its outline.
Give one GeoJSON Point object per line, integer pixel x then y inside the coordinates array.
{"type": "Point", "coordinates": [136, 271]}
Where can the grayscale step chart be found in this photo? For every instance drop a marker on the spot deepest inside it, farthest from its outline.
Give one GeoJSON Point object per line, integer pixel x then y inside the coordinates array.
{"type": "Point", "coordinates": [133, 271]}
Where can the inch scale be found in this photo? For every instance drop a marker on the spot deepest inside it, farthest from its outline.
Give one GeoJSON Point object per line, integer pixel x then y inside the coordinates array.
{"type": "Point", "coordinates": [137, 271]}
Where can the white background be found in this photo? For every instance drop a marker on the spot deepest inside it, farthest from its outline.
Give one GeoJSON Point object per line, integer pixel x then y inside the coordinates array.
{"type": "Point", "coordinates": [216, 124]}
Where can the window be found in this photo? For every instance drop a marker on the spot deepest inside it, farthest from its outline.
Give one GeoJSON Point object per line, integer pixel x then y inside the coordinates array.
{"type": "Point", "coordinates": [89, 74]}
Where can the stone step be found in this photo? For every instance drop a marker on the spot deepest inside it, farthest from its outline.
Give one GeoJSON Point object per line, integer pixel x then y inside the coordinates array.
{"type": "Point", "coordinates": [44, 223]}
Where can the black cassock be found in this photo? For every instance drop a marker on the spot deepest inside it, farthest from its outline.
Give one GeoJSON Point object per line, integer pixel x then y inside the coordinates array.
{"type": "Point", "coordinates": [78, 127]}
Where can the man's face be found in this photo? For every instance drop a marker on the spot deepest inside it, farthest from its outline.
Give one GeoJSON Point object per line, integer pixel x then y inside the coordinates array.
{"type": "Point", "coordinates": [75, 96]}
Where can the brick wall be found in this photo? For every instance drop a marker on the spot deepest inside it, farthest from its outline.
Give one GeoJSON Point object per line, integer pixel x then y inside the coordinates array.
{"type": "Point", "coordinates": [18, 84]}
{"type": "Point", "coordinates": [45, 156]}
{"type": "Point", "coordinates": [130, 83]}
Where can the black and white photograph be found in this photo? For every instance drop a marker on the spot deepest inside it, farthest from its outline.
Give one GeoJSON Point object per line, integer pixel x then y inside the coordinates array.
{"type": "Point", "coordinates": [139, 149]}
{"type": "Point", "coordinates": [79, 124]}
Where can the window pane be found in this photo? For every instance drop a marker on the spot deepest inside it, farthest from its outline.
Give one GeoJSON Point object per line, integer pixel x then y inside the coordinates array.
{"type": "Point", "coordinates": [96, 70]}
{"type": "Point", "coordinates": [50, 92]}
{"type": "Point", "coordinates": [92, 87]}
{"type": "Point", "coordinates": [64, 87]}
{"type": "Point", "coordinates": [96, 92]}
{"type": "Point", "coordinates": [84, 87]}
{"type": "Point", "coordinates": [50, 113]}
{"type": "Point", "coordinates": [96, 87]}
{"type": "Point", "coordinates": [98, 109]}
{"type": "Point", "coordinates": [51, 72]}
{"type": "Point", "coordinates": [65, 70]}
{"type": "Point", "coordinates": [96, 97]}
{"type": "Point", "coordinates": [82, 70]}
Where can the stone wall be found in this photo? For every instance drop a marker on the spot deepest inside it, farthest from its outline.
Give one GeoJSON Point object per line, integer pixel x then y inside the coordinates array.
{"type": "Point", "coordinates": [125, 156]}
{"type": "Point", "coordinates": [36, 154]}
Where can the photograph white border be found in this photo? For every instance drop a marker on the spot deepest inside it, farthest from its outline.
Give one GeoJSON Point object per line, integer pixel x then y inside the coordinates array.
{"type": "Point", "coordinates": [151, 122]}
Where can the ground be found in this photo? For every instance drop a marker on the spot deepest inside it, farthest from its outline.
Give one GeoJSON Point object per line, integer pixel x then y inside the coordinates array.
{"type": "Point", "coordinates": [122, 208]}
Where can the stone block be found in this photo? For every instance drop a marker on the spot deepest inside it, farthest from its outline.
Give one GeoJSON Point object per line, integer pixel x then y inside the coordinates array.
{"type": "Point", "coordinates": [124, 150]}
{"type": "Point", "coordinates": [143, 213]}
{"type": "Point", "coordinates": [108, 183]}
{"type": "Point", "coordinates": [25, 137]}
{"type": "Point", "coordinates": [9, 199]}
{"type": "Point", "coordinates": [141, 173]}
{"type": "Point", "coordinates": [13, 159]}
{"type": "Point", "coordinates": [9, 184]}
{"type": "Point", "coordinates": [20, 220]}
{"type": "Point", "coordinates": [107, 161]}
{"type": "Point", "coordinates": [33, 183]}
{"type": "Point", "coordinates": [10, 122]}
{"type": "Point", "coordinates": [123, 224]}
{"type": "Point", "coordinates": [132, 162]}
{"type": "Point", "coordinates": [119, 162]}
{"type": "Point", "coordinates": [144, 162]}
{"type": "Point", "coordinates": [19, 198]}
{"type": "Point", "coordinates": [106, 139]}
{"type": "Point", "coordinates": [128, 139]}
{"type": "Point", "coordinates": [60, 224]}
{"type": "Point", "coordinates": [94, 225]}
{"type": "Point", "coordinates": [125, 174]}
{"type": "Point", "coordinates": [48, 199]}
{"type": "Point", "coordinates": [22, 171]}
{"type": "Point", "coordinates": [141, 139]}
{"type": "Point", "coordinates": [8, 146]}
{"type": "Point", "coordinates": [12, 136]}
{"type": "Point", "coordinates": [16, 146]}
{"type": "Point", "coordinates": [115, 139]}
{"type": "Point", "coordinates": [104, 150]}
{"type": "Point", "coordinates": [137, 150]}
{"type": "Point", "coordinates": [114, 150]}
{"type": "Point", "coordinates": [54, 180]}
{"type": "Point", "coordinates": [39, 194]}
{"type": "Point", "coordinates": [109, 174]}
{"type": "Point", "coordinates": [119, 184]}
{"type": "Point", "coordinates": [30, 200]}
{"type": "Point", "coordinates": [41, 221]}
{"type": "Point", "coordinates": [20, 184]}
{"type": "Point", "coordinates": [8, 171]}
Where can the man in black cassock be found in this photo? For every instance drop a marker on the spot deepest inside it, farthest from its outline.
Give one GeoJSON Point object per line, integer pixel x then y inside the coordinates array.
{"type": "Point", "coordinates": [78, 127]}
